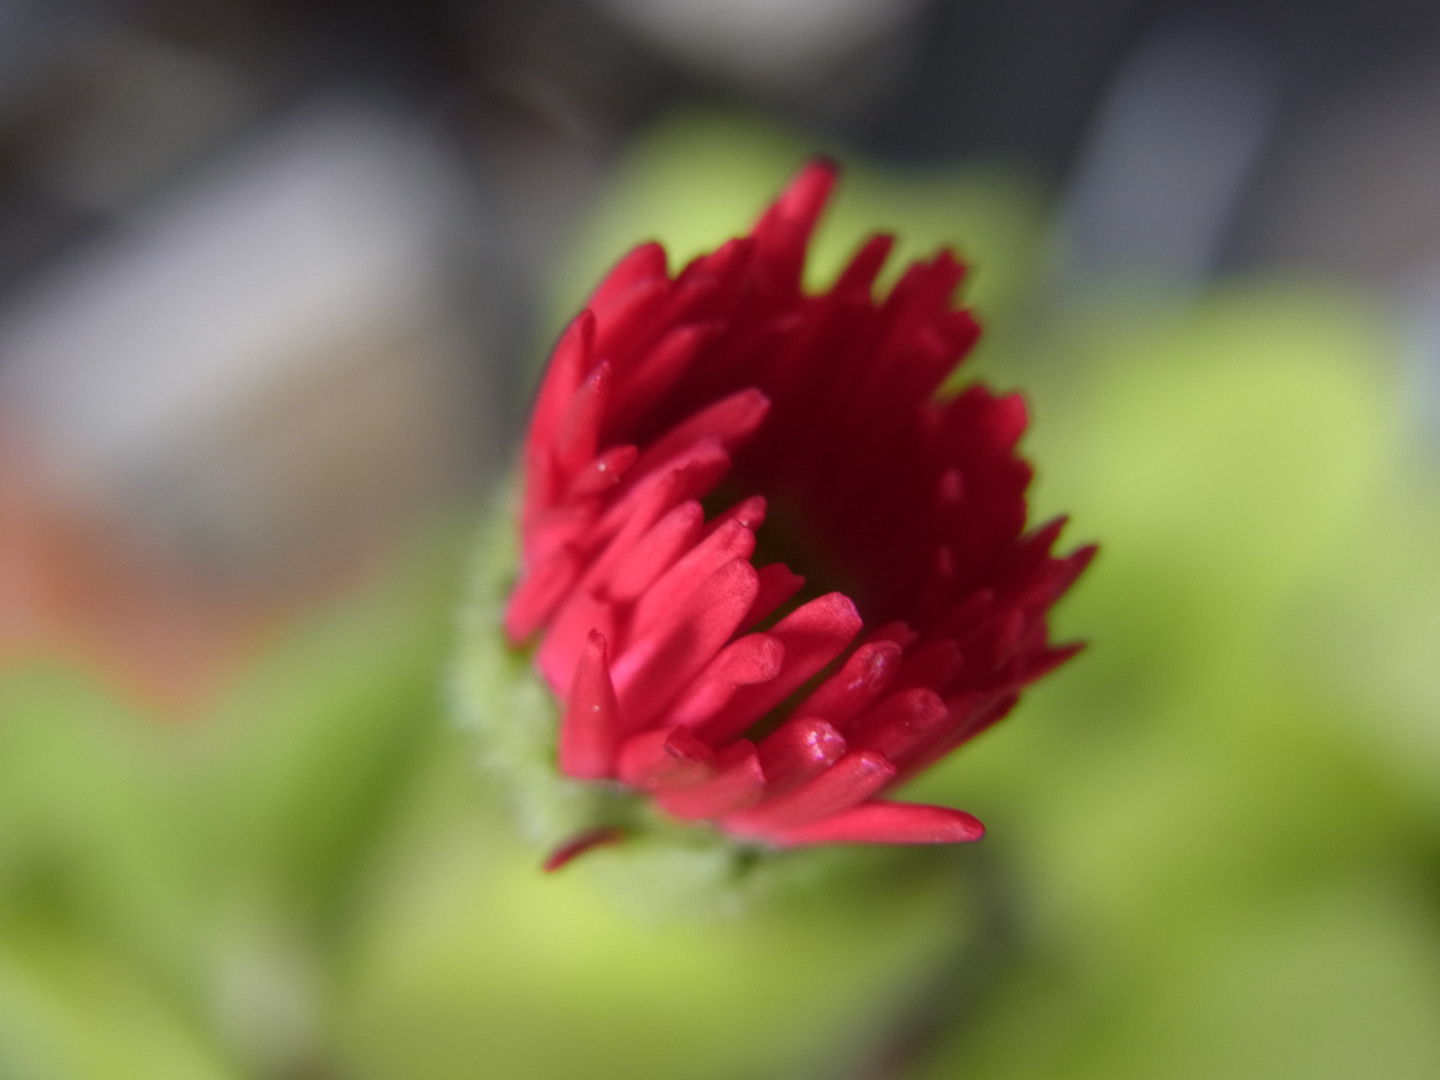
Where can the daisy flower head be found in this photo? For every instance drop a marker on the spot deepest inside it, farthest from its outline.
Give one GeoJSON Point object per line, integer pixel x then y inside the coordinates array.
{"type": "Point", "coordinates": [768, 568]}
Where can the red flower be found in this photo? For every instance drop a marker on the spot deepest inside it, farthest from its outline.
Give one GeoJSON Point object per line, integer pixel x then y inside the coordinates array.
{"type": "Point", "coordinates": [677, 412]}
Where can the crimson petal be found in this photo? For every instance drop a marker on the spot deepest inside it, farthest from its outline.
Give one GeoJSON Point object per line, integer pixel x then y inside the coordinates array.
{"type": "Point", "coordinates": [882, 822]}
{"type": "Point", "coordinates": [851, 780]}
{"type": "Point", "coordinates": [590, 728]}
{"type": "Point", "coordinates": [739, 784]}
{"type": "Point", "coordinates": [813, 635]}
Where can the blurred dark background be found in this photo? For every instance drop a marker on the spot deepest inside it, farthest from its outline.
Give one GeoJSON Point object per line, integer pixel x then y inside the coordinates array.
{"type": "Point", "coordinates": [467, 138]}
{"type": "Point", "coordinates": [1180, 139]}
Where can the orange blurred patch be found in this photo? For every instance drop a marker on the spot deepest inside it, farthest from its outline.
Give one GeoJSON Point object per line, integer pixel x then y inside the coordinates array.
{"type": "Point", "coordinates": [75, 587]}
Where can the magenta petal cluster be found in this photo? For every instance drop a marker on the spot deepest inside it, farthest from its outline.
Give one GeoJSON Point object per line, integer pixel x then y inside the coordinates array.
{"type": "Point", "coordinates": [675, 415]}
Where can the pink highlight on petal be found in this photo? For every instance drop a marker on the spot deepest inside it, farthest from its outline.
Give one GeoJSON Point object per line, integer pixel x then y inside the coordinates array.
{"type": "Point", "coordinates": [655, 552]}
{"type": "Point", "coordinates": [900, 723]}
{"type": "Point", "coordinates": [737, 786]}
{"type": "Point", "coordinates": [731, 541]}
{"type": "Point", "coordinates": [569, 630]}
{"type": "Point", "coordinates": [590, 728]}
{"type": "Point", "coordinates": [882, 822]}
{"type": "Point", "coordinates": [665, 759]}
{"type": "Point", "coordinates": [564, 525]}
{"type": "Point", "coordinates": [798, 751]}
{"type": "Point", "coordinates": [602, 473]}
{"type": "Point", "coordinates": [813, 635]}
{"type": "Point", "coordinates": [851, 780]}
{"type": "Point", "coordinates": [690, 474]}
{"type": "Point", "coordinates": [754, 658]}
{"type": "Point", "coordinates": [630, 323]}
{"type": "Point", "coordinates": [647, 505]}
{"type": "Point", "coordinates": [730, 422]}
{"type": "Point", "coordinates": [678, 643]}
{"type": "Point", "coordinates": [659, 369]}
{"type": "Point", "coordinates": [859, 682]}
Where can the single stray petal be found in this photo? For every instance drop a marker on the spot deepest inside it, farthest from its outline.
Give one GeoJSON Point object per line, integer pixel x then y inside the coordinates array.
{"type": "Point", "coordinates": [579, 844]}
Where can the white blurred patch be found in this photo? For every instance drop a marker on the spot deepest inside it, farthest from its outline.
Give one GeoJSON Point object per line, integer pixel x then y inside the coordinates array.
{"type": "Point", "coordinates": [768, 44]}
{"type": "Point", "coordinates": [265, 367]}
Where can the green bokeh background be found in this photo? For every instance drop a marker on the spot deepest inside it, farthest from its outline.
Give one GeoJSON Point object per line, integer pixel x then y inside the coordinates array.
{"type": "Point", "coordinates": [1214, 845]}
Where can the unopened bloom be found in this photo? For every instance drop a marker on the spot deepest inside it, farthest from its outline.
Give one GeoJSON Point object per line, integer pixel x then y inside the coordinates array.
{"type": "Point", "coordinates": [776, 677]}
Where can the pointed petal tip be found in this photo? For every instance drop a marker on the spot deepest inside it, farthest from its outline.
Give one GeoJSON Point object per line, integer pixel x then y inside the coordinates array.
{"type": "Point", "coordinates": [642, 263]}
{"type": "Point", "coordinates": [800, 204]}
{"type": "Point", "coordinates": [810, 187]}
{"type": "Point", "coordinates": [590, 728]}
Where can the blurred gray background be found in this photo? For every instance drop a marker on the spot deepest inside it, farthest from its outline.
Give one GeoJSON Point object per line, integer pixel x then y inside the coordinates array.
{"type": "Point", "coordinates": [271, 273]}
